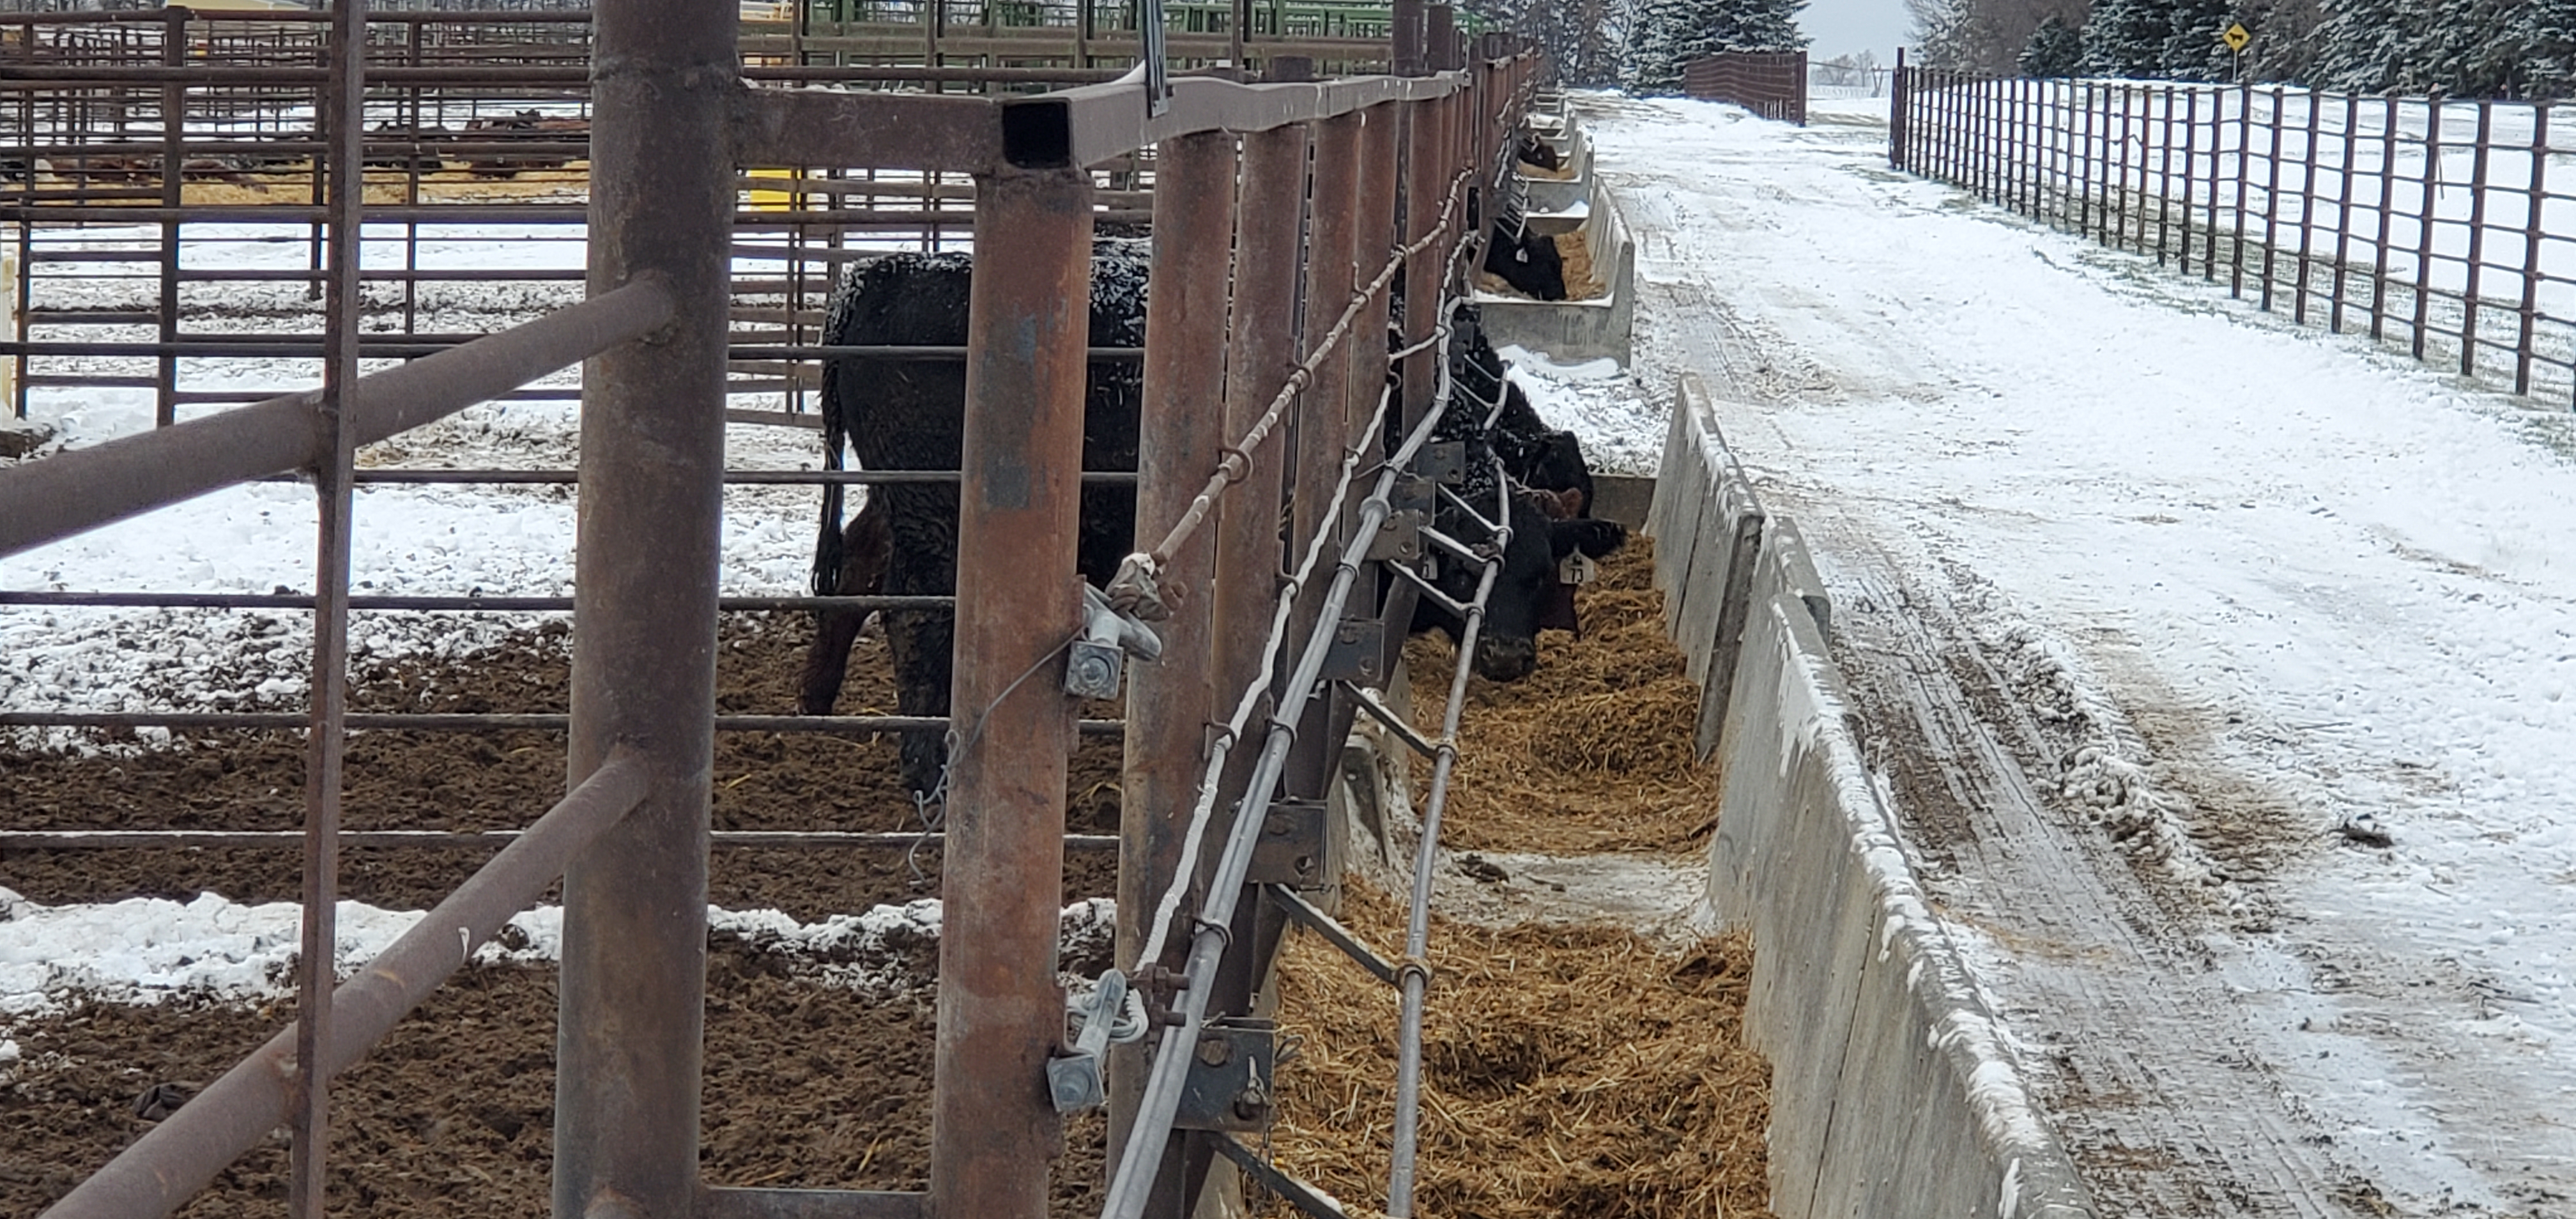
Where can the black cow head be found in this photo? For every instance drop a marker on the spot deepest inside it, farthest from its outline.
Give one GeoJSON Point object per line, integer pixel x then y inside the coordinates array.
{"type": "Point", "coordinates": [1530, 263]}
{"type": "Point", "coordinates": [1529, 595]}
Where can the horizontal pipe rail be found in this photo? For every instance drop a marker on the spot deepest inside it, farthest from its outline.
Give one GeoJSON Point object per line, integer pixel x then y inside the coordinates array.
{"type": "Point", "coordinates": [178, 1157]}
{"type": "Point", "coordinates": [84, 488]}
{"type": "Point", "coordinates": [487, 721]}
{"type": "Point", "coordinates": [802, 840]}
{"type": "Point", "coordinates": [467, 604]}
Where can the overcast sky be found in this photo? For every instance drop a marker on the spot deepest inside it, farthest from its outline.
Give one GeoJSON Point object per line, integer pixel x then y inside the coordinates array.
{"type": "Point", "coordinates": [1843, 26]}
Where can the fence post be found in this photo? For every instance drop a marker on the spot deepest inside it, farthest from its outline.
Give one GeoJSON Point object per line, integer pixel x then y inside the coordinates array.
{"type": "Point", "coordinates": [2190, 172]}
{"type": "Point", "coordinates": [2117, 153]}
{"type": "Point", "coordinates": [2272, 196]}
{"type": "Point", "coordinates": [2244, 170]}
{"type": "Point", "coordinates": [2531, 247]}
{"type": "Point", "coordinates": [2343, 221]}
{"type": "Point", "coordinates": [1898, 99]}
{"type": "Point", "coordinates": [2307, 209]}
{"type": "Point", "coordinates": [2477, 238]}
{"type": "Point", "coordinates": [2424, 222]}
{"type": "Point", "coordinates": [2387, 202]}
{"type": "Point", "coordinates": [1169, 704]}
{"type": "Point", "coordinates": [2084, 164]}
{"type": "Point", "coordinates": [629, 1037]}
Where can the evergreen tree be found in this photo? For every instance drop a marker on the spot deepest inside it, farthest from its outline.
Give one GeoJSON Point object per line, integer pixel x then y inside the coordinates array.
{"type": "Point", "coordinates": [2192, 49]}
{"type": "Point", "coordinates": [2127, 37]}
{"type": "Point", "coordinates": [2054, 49]}
{"type": "Point", "coordinates": [2367, 46]}
{"type": "Point", "coordinates": [1663, 35]}
{"type": "Point", "coordinates": [2544, 33]}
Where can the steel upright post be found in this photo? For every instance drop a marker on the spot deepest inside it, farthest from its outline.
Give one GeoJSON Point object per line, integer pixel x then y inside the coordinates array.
{"type": "Point", "coordinates": [993, 1130]}
{"type": "Point", "coordinates": [1408, 38]}
{"type": "Point", "coordinates": [1181, 436]}
{"type": "Point", "coordinates": [1374, 241]}
{"type": "Point", "coordinates": [2424, 223]}
{"type": "Point", "coordinates": [1897, 116]}
{"type": "Point", "coordinates": [2477, 238]}
{"type": "Point", "coordinates": [629, 1042]}
{"type": "Point", "coordinates": [326, 742]}
{"type": "Point", "coordinates": [2536, 196]}
{"type": "Point", "coordinates": [2244, 167]}
{"type": "Point", "coordinates": [2190, 172]}
{"type": "Point", "coordinates": [1323, 422]}
{"type": "Point", "coordinates": [2387, 201]}
{"type": "Point", "coordinates": [2307, 213]}
{"type": "Point", "coordinates": [1425, 184]}
{"type": "Point", "coordinates": [2272, 196]}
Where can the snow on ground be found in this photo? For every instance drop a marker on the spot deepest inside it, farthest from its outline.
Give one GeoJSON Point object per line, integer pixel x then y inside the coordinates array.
{"type": "Point", "coordinates": [2353, 578]}
{"type": "Point", "coordinates": [149, 950]}
{"type": "Point", "coordinates": [410, 539]}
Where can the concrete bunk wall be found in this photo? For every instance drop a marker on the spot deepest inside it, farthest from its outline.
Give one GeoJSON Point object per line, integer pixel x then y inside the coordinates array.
{"type": "Point", "coordinates": [1893, 1093]}
{"type": "Point", "coordinates": [1573, 331]}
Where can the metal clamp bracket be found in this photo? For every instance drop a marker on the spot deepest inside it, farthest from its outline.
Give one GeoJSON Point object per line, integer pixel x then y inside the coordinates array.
{"type": "Point", "coordinates": [1357, 652]}
{"type": "Point", "coordinates": [1295, 848]}
{"type": "Point", "coordinates": [1228, 1087]}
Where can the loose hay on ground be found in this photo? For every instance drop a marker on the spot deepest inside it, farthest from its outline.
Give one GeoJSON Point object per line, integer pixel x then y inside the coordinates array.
{"type": "Point", "coordinates": [1589, 753]}
{"type": "Point", "coordinates": [1569, 1071]}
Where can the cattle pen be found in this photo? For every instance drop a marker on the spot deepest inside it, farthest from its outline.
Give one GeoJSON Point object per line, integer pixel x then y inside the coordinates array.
{"type": "Point", "coordinates": [1264, 271]}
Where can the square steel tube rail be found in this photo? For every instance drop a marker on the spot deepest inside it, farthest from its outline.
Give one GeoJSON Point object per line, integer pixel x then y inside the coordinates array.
{"type": "Point", "coordinates": [44, 501]}
{"type": "Point", "coordinates": [175, 1159]}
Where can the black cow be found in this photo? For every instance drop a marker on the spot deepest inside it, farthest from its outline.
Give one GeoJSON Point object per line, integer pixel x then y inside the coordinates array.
{"type": "Point", "coordinates": [1535, 151]}
{"type": "Point", "coordinates": [1550, 518]}
{"type": "Point", "coordinates": [910, 415]}
{"type": "Point", "coordinates": [1529, 263]}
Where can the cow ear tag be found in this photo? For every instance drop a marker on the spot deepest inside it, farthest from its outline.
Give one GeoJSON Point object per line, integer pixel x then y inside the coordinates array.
{"type": "Point", "coordinates": [1578, 568]}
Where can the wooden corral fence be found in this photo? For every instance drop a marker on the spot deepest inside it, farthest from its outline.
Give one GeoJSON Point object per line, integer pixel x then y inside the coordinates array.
{"type": "Point", "coordinates": [1338, 194]}
{"type": "Point", "coordinates": [1772, 84]}
{"type": "Point", "coordinates": [2427, 222]}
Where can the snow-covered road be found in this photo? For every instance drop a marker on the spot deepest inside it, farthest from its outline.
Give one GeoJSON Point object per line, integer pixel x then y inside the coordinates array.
{"type": "Point", "coordinates": [2147, 595]}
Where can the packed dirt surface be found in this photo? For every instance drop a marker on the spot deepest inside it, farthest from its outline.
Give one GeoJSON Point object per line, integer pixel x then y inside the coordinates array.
{"type": "Point", "coordinates": [1577, 1066]}
{"type": "Point", "coordinates": [486, 781]}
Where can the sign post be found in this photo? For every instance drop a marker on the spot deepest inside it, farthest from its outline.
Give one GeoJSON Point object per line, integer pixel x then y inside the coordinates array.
{"type": "Point", "coordinates": [2237, 37]}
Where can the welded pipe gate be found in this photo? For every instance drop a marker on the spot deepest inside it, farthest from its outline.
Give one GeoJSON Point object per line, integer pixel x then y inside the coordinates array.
{"type": "Point", "coordinates": [1295, 211]}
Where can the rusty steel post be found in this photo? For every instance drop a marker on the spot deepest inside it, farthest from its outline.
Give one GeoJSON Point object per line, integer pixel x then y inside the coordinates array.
{"type": "Point", "coordinates": [629, 1041]}
{"type": "Point", "coordinates": [1425, 184]}
{"type": "Point", "coordinates": [993, 1130]}
{"type": "Point", "coordinates": [1323, 421]}
{"type": "Point", "coordinates": [1374, 241]}
{"type": "Point", "coordinates": [1261, 350]}
{"type": "Point", "coordinates": [1169, 704]}
{"type": "Point", "coordinates": [1408, 36]}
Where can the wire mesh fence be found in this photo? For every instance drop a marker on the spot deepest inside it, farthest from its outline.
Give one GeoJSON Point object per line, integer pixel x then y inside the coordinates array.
{"type": "Point", "coordinates": [2434, 224]}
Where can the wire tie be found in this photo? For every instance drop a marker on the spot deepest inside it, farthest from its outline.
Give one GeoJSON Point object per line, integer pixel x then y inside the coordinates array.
{"type": "Point", "coordinates": [1233, 472]}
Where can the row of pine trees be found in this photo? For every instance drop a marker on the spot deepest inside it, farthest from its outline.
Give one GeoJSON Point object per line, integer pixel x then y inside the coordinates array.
{"type": "Point", "coordinates": [2459, 48]}
{"type": "Point", "coordinates": [1641, 45]}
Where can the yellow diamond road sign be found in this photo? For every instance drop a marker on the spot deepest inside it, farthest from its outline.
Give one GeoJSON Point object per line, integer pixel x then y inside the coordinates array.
{"type": "Point", "coordinates": [2236, 37]}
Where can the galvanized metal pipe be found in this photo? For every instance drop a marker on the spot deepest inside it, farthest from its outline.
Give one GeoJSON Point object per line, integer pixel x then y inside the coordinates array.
{"type": "Point", "coordinates": [1415, 972]}
{"type": "Point", "coordinates": [81, 489]}
{"type": "Point", "coordinates": [993, 1129]}
{"type": "Point", "coordinates": [178, 1157]}
{"type": "Point", "coordinates": [1128, 1188]}
{"type": "Point", "coordinates": [1170, 703]}
{"type": "Point", "coordinates": [629, 1042]}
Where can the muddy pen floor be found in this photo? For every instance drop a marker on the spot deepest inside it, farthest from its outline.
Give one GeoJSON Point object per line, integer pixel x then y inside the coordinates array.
{"type": "Point", "coordinates": [1583, 1046]}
